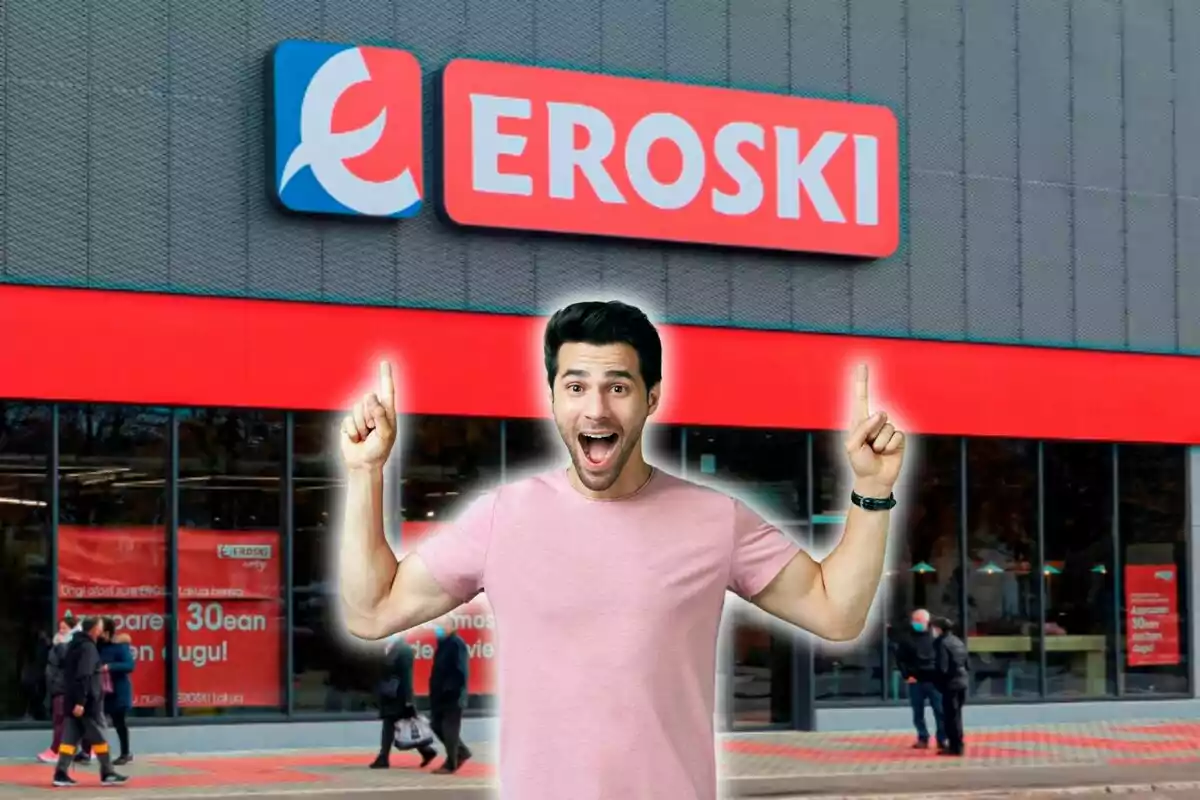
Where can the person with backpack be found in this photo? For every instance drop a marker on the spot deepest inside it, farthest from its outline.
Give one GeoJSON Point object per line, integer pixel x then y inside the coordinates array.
{"type": "Point", "coordinates": [84, 704]}
{"type": "Point", "coordinates": [953, 679]}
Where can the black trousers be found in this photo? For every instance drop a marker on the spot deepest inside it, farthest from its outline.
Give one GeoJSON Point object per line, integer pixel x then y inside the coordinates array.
{"type": "Point", "coordinates": [122, 729]}
{"type": "Point", "coordinates": [387, 737]}
{"type": "Point", "coordinates": [952, 710]}
{"type": "Point", "coordinates": [447, 727]}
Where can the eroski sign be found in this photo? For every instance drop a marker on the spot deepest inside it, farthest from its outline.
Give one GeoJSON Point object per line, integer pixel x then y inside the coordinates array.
{"type": "Point", "coordinates": [534, 148]}
{"type": "Point", "coordinates": [554, 150]}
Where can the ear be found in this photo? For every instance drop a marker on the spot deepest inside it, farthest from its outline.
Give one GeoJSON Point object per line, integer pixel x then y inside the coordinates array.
{"type": "Point", "coordinates": [654, 397]}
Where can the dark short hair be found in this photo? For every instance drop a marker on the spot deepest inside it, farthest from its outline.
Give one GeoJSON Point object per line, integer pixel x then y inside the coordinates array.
{"type": "Point", "coordinates": [601, 323]}
{"type": "Point", "coordinates": [90, 622]}
{"type": "Point", "coordinates": [945, 623]}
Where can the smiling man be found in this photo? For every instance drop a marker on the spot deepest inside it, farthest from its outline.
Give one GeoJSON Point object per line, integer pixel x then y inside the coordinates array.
{"type": "Point", "coordinates": [607, 579]}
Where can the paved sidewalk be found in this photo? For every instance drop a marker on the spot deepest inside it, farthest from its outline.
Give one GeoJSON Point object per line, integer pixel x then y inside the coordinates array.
{"type": "Point", "coordinates": [753, 765]}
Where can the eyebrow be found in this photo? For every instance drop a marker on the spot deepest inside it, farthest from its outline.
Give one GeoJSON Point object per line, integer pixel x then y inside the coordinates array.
{"type": "Point", "coordinates": [612, 373]}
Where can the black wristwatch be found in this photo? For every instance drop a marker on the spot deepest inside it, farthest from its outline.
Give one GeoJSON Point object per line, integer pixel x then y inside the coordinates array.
{"type": "Point", "coordinates": [873, 503]}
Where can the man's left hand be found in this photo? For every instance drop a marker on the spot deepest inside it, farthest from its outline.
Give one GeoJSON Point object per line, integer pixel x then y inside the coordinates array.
{"type": "Point", "coordinates": [874, 446]}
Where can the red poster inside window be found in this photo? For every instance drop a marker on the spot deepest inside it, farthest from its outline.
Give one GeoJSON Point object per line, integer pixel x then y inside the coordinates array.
{"type": "Point", "coordinates": [1152, 615]}
{"type": "Point", "coordinates": [476, 627]}
{"type": "Point", "coordinates": [230, 616]}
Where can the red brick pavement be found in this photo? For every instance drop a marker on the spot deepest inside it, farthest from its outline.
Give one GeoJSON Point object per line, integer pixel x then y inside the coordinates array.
{"type": "Point", "coordinates": [747, 758]}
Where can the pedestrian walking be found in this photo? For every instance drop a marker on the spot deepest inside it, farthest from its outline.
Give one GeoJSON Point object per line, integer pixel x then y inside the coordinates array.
{"type": "Point", "coordinates": [917, 661]}
{"type": "Point", "coordinates": [396, 700]}
{"type": "Point", "coordinates": [117, 656]}
{"type": "Point", "coordinates": [84, 704]}
{"type": "Point", "coordinates": [953, 679]}
{"type": "Point", "coordinates": [448, 695]}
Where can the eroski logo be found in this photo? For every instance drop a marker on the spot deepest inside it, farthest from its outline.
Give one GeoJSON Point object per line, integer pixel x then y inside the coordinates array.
{"type": "Point", "coordinates": [346, 129]}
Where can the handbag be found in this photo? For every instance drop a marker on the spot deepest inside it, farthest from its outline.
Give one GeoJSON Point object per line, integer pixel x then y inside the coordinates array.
{"type": "Point", "coordinates": [106, 682]}
{"type": "Point", "coordinates": [413, 733]}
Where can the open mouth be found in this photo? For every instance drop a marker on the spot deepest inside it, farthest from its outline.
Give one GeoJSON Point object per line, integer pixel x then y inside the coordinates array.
{"type": "Point", "coordinates": [597, 447]}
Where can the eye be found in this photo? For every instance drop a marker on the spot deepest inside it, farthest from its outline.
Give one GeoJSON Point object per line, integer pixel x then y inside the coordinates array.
{"type": "Point", "coordinates": [574, 387]}
{"type": "Point", "coordinates": [619, 389]}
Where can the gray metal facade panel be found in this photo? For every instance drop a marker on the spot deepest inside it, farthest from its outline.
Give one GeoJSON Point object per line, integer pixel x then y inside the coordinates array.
{"type": "Point", "coordinates": [1147, 97]}
{"type": "Point", "coordinates": [134, 156]}
{"type": "Point", "coordinates": [1188, 280]}
{"type": "Point", "coordinates": [993, 269]}
{"type": "Point", "coordinates": [1100, 295]}
{"type": "Point", "coordinates": [935, 113]}
{"type": "Point", "coordinates": [127, 242]}
{"type": "Point", "coordinates": [1096, 92]}
{"type": "Point", "coordinates": [1186, 56]}
{"type": "Point", "coordinates": [1044, 87]}
{"type": "Point", "coordinates": [879, 72]}
{"type": "Point", "coordinates": [1150, 261]}
{"type": "Point", "coordinates": [937, 275]}
{"type": "Point", "coordinates": [1047, 304]}
{"type": "Point", "coordinates": [990, 79]}
{"type": "Point", "coordinates": [47, 202]}
{"type": "Point", "coordinates": [759, 50]}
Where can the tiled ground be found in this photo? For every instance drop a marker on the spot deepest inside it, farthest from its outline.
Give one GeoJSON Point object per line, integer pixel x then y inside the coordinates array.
{"type": "Point", "coordinates": [864, 761]}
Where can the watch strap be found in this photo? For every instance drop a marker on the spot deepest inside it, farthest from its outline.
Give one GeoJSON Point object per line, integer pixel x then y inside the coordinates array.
{"type": "Point", "coordinates": [873, 503]}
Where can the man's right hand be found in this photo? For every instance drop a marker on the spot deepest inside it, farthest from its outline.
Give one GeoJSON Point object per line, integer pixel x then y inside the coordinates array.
{"type": "Point", "coordinates": [77, 711]}
{"type": "Point", "coordinates": [368, 432]}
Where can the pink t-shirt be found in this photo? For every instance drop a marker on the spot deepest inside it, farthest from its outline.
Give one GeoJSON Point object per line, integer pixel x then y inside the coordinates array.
{"type": "Point", "coordinates": [607, 614]}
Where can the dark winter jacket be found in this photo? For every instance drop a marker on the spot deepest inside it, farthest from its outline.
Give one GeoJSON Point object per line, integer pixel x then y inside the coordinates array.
{"type": "Point", "coordinates": [396, 687]}
{"type": "Point", "coordinates": [448, 678]}
{"type": "Point", "coordinates": [119, 658]}
{"type": "Point", "coordinates": [952, 662]}
{"type": "Point", "coordinates": [916, 656]}
{"type": "Point", "coordinates": [56, 683]}
{"type": "Point", "coordinates": [81, 671]}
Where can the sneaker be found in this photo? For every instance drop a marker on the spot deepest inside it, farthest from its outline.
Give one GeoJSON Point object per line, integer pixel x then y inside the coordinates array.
{"type": "Point", "coordinates": [83, 758]}
{"type": "Point", "coordinates": [63, 779]}
{"type": "Point", "coordinates": [47, 756]}
{"type": "Point", "coordinates": [123, 760]}
{"type": "Point", "coordinates": [114, 777]}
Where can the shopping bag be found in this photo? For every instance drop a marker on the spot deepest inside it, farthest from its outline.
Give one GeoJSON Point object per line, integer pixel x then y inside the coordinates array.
{"type": "Point", "coordinates": [106, 682]}
{"type": "Point", "coordinates": [413, 733]}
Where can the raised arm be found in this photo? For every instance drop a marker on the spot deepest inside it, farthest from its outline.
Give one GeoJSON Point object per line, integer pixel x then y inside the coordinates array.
{"type": "Point", "coordinates": [378, 595]}
{"type": "Point", "coordinates": [832, 598]}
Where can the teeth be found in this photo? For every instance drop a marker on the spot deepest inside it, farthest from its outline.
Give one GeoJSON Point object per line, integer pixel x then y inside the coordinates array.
{"type": "Point", "coordinates": [597, 435]}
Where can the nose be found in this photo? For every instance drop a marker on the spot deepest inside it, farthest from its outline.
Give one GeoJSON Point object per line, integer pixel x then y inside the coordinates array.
{"type": "Point", "coordinates": [596, 405]}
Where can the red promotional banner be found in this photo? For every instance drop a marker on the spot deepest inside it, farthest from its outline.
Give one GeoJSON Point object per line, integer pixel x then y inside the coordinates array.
{"type": "Point", "coordinates": [1152, 615]}
{"type": "Point", "coordinates": [230, 615]}
{"type": "Point", "coordinates": [475, 623]}
{"type": "Point", "coordinates": [146, 623]}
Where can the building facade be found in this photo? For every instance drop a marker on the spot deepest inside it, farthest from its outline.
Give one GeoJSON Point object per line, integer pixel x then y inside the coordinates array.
{"type": "Point", "coordinates": [175, 344]}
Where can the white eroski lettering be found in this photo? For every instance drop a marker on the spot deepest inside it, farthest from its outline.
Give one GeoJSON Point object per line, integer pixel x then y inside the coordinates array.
{"type": "Point", "coordinates": [488, 144]}
{"type": "Point", "coordinates": [565, 157]}
{"type": "Point", "coordinates": [866, 179]}
{"type": "Point", "coordinates": [792, 173]}
{"type": "Point", "coordinates": [648, 130]}
{"type": "Point", "coordinates": [750, 185]}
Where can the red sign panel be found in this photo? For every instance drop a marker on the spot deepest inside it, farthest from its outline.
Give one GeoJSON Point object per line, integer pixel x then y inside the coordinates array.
{"type": "Point", "coordinates": [533, 148]}
{"type": "Point", "coordinates": [230, 617]}
{"type": "Point", "coordinates": [474, 621]}
{"type": "Point", "coordinates": [1152, 615]}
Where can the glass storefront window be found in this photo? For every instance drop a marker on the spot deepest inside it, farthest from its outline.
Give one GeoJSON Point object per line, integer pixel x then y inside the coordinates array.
{"type": "Point", "coordinates": [1154, 576]}
{"type": "Point", "coordinates": [925, 568]}
{"type": "Point", "coordinates": [846, 672]}
{"type": "Point", "coordinates": [114, 462]}
{"type": "Point", "coordinates": [26, 626]}
{"type": "Point", "coordinates": [1078, 573]}
{"type": "Point", "coordinates": [768, 469]}
{"type": "Point", "coordinates": [1003, 627]}
{"type": "Point", "coordinates": [231, 616]}
{"type": "Point", "coordinates": [331, 672]}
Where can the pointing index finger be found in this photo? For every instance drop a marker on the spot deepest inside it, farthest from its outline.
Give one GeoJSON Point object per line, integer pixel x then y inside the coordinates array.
{"type": "Point", "coordinates": [387, 387]}
{"type": "Point", "coordinates": [862, 405]}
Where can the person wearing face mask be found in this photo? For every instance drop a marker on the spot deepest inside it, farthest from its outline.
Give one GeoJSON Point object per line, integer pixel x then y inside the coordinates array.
{"type": "Point", "coordinates": [917, 661]}
{"type": "Point", "coordinates": [448, 694]}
